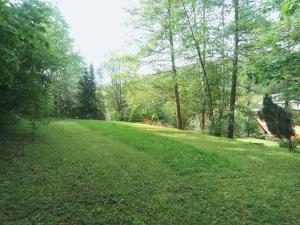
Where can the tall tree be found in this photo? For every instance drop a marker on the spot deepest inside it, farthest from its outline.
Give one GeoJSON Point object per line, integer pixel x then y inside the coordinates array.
{"type": "Point", "coordinates": [88, 106]}
{"type": "Point", "coordinates": [157, 20]}
{"type": "Point", "coordinates": [201, 55]}
{"type": "Point", "coordinates": [174, 70]}
{"type": "Point", "coordinates": [230, 130]}
{"type": "Point", "coordinates": [121, 70]}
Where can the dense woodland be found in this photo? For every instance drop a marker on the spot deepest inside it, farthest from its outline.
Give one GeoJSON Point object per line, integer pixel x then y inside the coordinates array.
{"type": "Point", "coordinates": [212, 62]}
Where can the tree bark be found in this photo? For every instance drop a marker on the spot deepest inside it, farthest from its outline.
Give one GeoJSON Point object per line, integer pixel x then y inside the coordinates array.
{"type": "Point", "coordinates": [230, 130]}
{"type": "Point", "coordinates": [204, 30]}
{"type": "Point", "coordinates": [174, 72]}
{"type": "Point", "coordinates": [203, 112]}
{"type": "Point", "coordinates": [221, 111]}
{"type": "Point", "coordinates": [286, 97]}
{"type": "Point", "coordinates": [249, 117]}
{"type": "Point", "coordinates": [208, 96]}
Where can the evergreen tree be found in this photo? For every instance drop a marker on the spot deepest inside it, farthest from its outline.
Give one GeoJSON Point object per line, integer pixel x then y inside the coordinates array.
{"type": "Point", "coordinates": [87, 98]}
{"type": "Point", "coordinates": [279, 121]}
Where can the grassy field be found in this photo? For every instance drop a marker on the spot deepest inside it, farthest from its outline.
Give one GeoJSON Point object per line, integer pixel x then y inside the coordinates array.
{"type": "Point", "coordinates": [92, 172]}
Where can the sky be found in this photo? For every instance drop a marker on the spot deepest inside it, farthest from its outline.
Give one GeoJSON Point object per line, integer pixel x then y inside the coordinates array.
{"type": "Point", "coordinates": [98, 26]}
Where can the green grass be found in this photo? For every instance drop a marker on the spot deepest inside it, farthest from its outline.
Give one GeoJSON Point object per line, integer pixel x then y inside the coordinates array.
{"type": "Point", "coordinates": [259, 141]}
{"type": "Point", "coordinates": [92, 172]}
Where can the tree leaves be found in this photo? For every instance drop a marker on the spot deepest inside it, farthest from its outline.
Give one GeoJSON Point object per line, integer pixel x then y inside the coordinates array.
{"type": "Point", "coordinates": [34, 45]}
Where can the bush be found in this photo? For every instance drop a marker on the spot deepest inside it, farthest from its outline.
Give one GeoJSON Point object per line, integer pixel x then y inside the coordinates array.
{"type": "Point", "coordinates": [135, 116]}
{"type": "Point", "coordinates": [285, 144]}
{"type": "Point", "coordinates": [145, 114]}
{"type": "Point", "coordinates": [155, 117]}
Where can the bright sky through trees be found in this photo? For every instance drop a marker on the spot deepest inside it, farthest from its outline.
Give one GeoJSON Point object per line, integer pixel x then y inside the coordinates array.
{"type": "Point", "coordinates": [97, 26]}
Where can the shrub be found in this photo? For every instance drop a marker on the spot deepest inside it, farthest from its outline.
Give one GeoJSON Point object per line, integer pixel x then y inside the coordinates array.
{"type": "Point", "coordinates": [285, 144]}
{"type": "Point", "coordinates": [135, 116]}
{"type": "Point", "coordinates": [145, 114]}
{"type": "Point", "coordinates": [155, 117]}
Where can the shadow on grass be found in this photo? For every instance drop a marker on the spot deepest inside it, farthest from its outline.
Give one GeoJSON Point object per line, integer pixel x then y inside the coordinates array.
{"type": "Point", "coordinates": [14, 138]}
{"type": "Point", "coordinates": [184, 151]}
{"type": "Point", "coordinates": [182, 157]}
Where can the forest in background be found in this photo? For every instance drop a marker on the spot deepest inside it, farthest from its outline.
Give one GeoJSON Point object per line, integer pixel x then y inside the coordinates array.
{"type": "Point", "coordinates": [213, 66]}
{"type": "Point", "coordinates": [213, 62]}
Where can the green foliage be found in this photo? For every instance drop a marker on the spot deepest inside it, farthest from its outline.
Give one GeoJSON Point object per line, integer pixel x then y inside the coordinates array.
{"type": "Point", "coordinates": [246, 121]}
{"type": "Point", "coordinates": [251, 128]}
{"type": "Point", "coordinates": [127, 113]}
{"type": "Point", "coordinates": [135, 115]}
{"type": "Point", "coordinates": [24, 58]}
{"type": "Point", "coordinates": [36, 57]}
{"type": "Point", "coordinates": [65, 87]}
{"type": "Point", "coordinates": [286, 144]}
{"type": "Point", "coordinates": [122, 72]}
{"type": "Point", "coordinates": [155, 117]}
{"type": "Point", "coordinates": [290, 7]}
{"type": "Point", "coordinates": [40, 71]}
{"type": "Point", "coordinates": [100, 104]}
{"type": "Point", "coordinates": [114, 116]}
{"type": "Point", "coordinates": [276, 52]}
{"type": "Point", "coordinates": [87, 98]}
{"type": "Point", "coordinates": [278, 120]}
{"type": "Point", "coordinates": [221, 125]}
{"type": "Point", "coordinates": [145, 114]}
{"type": "Point", "coordinates": [268, 62]}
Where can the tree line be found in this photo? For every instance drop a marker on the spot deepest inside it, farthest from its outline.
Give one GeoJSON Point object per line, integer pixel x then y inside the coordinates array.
{"type": "Point", "coordinates": [41, 75]}
{"type": "Point", "coordinates": [213, 59]}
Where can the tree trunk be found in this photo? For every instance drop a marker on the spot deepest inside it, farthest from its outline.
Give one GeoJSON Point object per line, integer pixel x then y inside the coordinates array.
{"type": "Point", "coordinates": [286, 97]}
{"type": "Point", "coordinates": [174, 72]}
{"type": "Point", "coordinates": [291, 147]}
{"type": "Point", "coordinates": [203, 112]}
{"type": "Point", "coordinates": [249, 117]}
{"type": "Point", "coordinates": [207, 95]}
{"type": "Point", "coordinates": [230, 130]}
{"type": "Point", "coordinates": [204, 31]}
{"type": "Point", "coordinates": [221, 111]}
{"type": "Point", "coordinates": [219, 122]}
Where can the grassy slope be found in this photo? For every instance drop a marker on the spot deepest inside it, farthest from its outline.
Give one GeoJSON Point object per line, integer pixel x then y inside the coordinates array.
{"type": "Point", "coordinates": [91, 172]}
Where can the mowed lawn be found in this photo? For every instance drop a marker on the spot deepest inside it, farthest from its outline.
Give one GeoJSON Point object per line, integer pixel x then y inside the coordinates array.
{"type": "Point", "coordinates": [93, 172]}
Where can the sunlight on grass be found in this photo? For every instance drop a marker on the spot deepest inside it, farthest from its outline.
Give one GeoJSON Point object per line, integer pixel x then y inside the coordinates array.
{"type": "Point", "coordinates": [237, 149]}
{"type": "Point", "coordinates": [255, 158]}
{"type": "Point", "coordinates": [124, 173]}
{"type": "Point", "coordinates": [259, 141]}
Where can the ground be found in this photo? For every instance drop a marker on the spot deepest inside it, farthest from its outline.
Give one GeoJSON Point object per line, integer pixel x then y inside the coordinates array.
{"type": "Point", "coordinates": [93, 172]}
